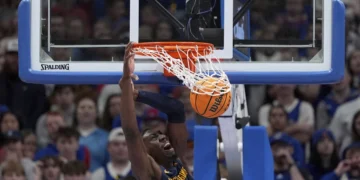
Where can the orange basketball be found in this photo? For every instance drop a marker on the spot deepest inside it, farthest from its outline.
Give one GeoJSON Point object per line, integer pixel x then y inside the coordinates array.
{"type": "Point", "coordinates": [210, 106]}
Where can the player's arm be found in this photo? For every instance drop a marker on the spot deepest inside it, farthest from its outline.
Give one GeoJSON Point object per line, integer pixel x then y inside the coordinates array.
{"type": "Point", "coordinates": [176, 117]}
{"type": "Point", "coordinates": [142, 165]}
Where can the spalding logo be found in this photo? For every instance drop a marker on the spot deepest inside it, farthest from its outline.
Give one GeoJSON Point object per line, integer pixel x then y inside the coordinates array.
{"type": "Point", "coordinates": [45, 67]}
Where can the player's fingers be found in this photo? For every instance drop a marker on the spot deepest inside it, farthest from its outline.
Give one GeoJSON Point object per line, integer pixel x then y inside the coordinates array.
{"type": "Point", "coordinates": [129, 47]}
{"type": "Point", "coordinates": [129, 56]}
{"type": "Point", "coordinates": [135, 77]}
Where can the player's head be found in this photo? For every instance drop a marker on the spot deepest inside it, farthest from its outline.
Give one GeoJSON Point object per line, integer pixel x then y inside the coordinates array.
{"type": "Point", "coordinates": [157, 143]}
{"type": "Point", "coordinates": [157, 123]}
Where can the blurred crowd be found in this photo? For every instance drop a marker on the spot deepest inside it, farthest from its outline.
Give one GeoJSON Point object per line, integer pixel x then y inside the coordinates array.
{"type": "Point", "coordinates": [53, 132]}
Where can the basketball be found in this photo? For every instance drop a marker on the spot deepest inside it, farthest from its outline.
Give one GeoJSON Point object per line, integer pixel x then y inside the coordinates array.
{"type": "Point", "coordinates": [210, 106]}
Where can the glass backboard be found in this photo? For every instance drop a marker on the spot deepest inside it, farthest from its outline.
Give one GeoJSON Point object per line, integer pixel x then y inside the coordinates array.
{"type": "Point", "coordinates": [84, 56]}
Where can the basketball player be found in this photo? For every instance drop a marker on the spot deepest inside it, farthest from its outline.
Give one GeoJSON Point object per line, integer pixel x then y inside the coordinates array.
{"type": "Point", "coordinates": [152, 155]}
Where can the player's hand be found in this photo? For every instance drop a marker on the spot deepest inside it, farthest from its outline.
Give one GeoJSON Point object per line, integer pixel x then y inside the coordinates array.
{"type": "Point", "coordinates": [129, 63]}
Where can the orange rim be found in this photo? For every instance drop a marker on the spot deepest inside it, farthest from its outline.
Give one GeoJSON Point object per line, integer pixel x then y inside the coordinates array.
{"type": "Point", "coordinates": [172, 48]}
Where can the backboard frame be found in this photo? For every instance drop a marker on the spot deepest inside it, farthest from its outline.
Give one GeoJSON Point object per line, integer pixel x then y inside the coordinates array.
{"type": "Point", "coordinates": [238, 55]}
{"type": "Point", "coordinates": [329, 71]}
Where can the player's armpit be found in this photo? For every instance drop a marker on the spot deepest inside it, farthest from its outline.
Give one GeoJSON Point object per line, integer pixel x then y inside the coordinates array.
{"type": "Point", "coordinates": [156, 169]}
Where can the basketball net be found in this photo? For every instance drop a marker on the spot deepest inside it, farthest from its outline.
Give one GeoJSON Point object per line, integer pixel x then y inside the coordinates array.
{"type": "Point", "coordinates": [207, 69]}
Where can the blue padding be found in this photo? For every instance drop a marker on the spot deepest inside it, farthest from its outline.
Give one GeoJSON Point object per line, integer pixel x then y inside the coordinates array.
{"type": "Point", "coordinates": [205, 154]}
{"type": "Point", "coordinates": [258, 161]}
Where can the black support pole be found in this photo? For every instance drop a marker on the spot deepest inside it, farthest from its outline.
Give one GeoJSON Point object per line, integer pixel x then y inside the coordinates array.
{"type": "Point", "coordinates": [242, 11]}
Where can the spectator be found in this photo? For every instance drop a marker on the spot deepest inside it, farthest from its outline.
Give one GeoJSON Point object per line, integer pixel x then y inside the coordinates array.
{"type": "Point", "coordinates": [355, 133]}
{"type": "Point", "coordinates": [61, 54]}
{"type": "Point", "coordinates": [104, 94]}
{"type": "Point", "coordinates": [63, 104]}
{"type": "Point", "coordinates": [268, 54]}
{"type": "Point", "coordinates": [74, 170]}
{"type": "Point", "coordinates": [101, 28]}
{"type": "Point", "coordinates": [148, 16]}
{"type": "Point", "coordinates": [341, 123]}
{"type": "Point", "coordinates": [58, 28]}
{"type": "Point", "coordinates": [300, 113]}
{"type": "Point", "coordinates": [354, 67]}
{"type": "Point", "coordinates": [65, 143]}
{"type": "Point", "coordinates": [341, 93]}
{"type": "Point", "coordinates": [30, 144]}
{"type": "Point", "coordinates": [310, 93]}
{"type": "Point", "coordinates": [9, 27]}
{"type": "Point", "coordinates": [50, 168]}
{"type": "Point", "coordinates": [70, 9]}
{"type": "Point", "coordinates": [9, 122]}
{"type": "Point", "coordinates": [81, 33]}
{"type": "Point", "coordinates": [164, 31]}
{"type": "Point", "coordinates": [91, 136]}
{"type": "Point", "coordinates": [13, 170]}
{"type": "Point", "coordinates": [27, 101]}
{"type": "Point", "coordinates": [119, 165]}
{"type": "Point", "coordinates": [285, 165]}
{"type": "Point", "coordinates": [146, 33]}
{"type": "Point", "coordinates": [46, 133]}
{"type": "Point", "coordinates": [79, 25]}
{"type": "Point", "coordinates": [118, 16]}
{"type": "Point", "coordinates": [349, 167]}
{"type": "Point", "coordinates": [112, 110]}
{"type": "Point", "coordinates": [324, 157]}
{"type": "Point", "coordinates": [295, 18]}
{"type": "Point", "coordinates": [278, 120]}
{"type": "Point", "coordinates": [13, 149]}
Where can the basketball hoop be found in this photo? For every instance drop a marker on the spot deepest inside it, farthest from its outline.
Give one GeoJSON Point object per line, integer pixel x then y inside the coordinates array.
{"type": "Point", "coordinates": [181, 59]}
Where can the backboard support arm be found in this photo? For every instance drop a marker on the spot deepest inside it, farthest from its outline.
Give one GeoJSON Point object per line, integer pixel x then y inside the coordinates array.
{"type": "Point", "coordinates": [243, 10]}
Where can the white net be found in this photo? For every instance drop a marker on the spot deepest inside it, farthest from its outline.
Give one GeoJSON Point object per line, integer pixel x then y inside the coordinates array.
{"type": "Point", "coordinates": [208, 79]}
